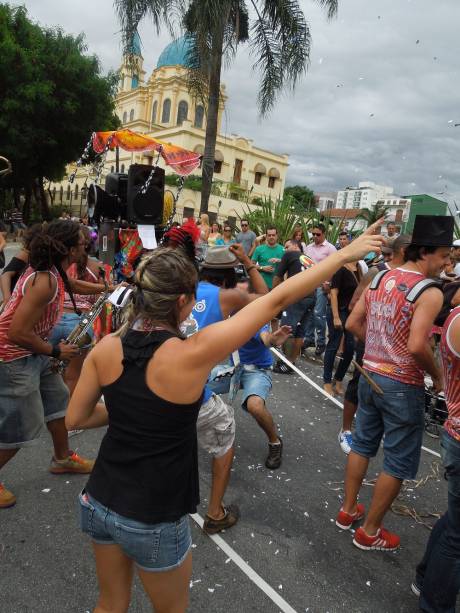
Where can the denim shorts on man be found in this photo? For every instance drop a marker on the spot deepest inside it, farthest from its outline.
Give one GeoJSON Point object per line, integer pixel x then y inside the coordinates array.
{"type": "Point", "coordinates": [153, 547]}
{"type": "Point", "coordinates": [64, 327]}
{"type": "Point", "coordinates": [31, 394]}
{"type": "Point", "coordinates": [399, 413]}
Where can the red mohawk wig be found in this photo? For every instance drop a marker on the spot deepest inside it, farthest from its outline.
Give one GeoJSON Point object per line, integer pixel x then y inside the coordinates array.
{"type": "Point", "coordinates": [186, 236]}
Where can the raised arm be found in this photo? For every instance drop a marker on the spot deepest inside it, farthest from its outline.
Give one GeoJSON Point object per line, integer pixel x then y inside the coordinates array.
{"type": "Point", "coordinates": [212, 344]}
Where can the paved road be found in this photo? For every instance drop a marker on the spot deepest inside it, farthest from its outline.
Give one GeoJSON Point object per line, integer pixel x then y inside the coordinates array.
{"type": "Point", "coordinates": [286, 533]}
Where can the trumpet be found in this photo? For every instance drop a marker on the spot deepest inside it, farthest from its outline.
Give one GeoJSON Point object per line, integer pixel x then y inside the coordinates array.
{"type": "Point", "coordinates": [80, 334]}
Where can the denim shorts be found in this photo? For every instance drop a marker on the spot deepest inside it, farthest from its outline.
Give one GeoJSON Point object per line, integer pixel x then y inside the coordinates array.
{"type": "Point", "coordinates": [31, 394]}
{"type": "Point", "coordinates": [399, 414]}
{"type": "Point", "coordinates": [153, 547]}
{"type": "Point", "coordinates": [64, 327]}
{"type": "Point", "coordinates": [253, 381]}
{"type": "Point", "coordinates": [297, 315]}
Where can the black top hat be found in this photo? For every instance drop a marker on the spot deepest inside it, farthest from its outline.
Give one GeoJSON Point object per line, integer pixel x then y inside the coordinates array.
{"type": "Point", "coordinates": [433, 231]}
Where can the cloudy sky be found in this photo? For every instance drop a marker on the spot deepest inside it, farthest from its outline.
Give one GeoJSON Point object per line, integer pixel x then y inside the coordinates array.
{"type": "Point", "coordinates": [380, 99]}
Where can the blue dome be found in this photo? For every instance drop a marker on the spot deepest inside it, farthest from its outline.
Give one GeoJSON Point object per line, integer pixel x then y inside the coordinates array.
{"type": "Point", "coordinates": [176, 53]}
{"type": "Point", "coordinates": [136, 44]}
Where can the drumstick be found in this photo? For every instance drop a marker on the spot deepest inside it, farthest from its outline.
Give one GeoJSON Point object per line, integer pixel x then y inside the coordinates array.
{"type": "Point", "coordinates": [371, 382]}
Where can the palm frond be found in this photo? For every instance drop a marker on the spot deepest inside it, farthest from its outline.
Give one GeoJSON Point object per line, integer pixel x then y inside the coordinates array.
{"type": "Point", "coordinates": [332, 7]}
{"type": "Point", "coordinates": [281, 44]}
{"type": "Point", "coordinates": [131, 12]}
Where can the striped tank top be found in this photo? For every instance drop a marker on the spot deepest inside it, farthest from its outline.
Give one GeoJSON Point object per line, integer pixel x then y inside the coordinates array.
{"type": "Point", "coordinates": [10, 351]}
{"type": "Point", "coordinates": [389, 317]}
{"type": "Point", "coordinates": [84, 303]}
{"type": "Point", "coordinates": [451, 368]}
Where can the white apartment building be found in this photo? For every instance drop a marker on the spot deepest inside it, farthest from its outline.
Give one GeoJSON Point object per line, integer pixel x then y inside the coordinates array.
{"type": "Point", "coordinates": [325, 200]}
{"type": "Point", "coordinates": [365, 196]}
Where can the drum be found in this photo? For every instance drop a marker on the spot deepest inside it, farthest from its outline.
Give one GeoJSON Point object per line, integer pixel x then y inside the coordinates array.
{"type": "Point", "coordinates": [435, 412]}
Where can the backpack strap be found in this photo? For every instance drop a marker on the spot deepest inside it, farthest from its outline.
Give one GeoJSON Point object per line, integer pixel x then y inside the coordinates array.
{"type": "Point", "coordinates": [419, 288]}
{"type": "Point", "coordinates": [376, 280]}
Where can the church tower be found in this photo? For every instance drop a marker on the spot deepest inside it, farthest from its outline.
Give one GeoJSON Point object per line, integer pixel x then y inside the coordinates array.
{"type": "Point", "coordinates": [132, 73]}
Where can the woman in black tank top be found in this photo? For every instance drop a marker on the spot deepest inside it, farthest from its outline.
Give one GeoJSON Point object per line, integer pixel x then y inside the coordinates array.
{"type": "Point", "coordinates": [145, 480]}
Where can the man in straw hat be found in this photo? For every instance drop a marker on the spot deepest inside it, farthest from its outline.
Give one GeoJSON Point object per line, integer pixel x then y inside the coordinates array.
{"type": "Point", "coordinates": [394, 317]}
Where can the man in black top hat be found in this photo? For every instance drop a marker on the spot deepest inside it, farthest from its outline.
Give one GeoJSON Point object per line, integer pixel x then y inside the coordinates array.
{"type": "Point", "coordinates": [394, 318]}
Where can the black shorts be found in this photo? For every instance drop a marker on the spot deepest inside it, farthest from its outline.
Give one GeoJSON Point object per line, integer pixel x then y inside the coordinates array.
{"type": "Point", "coordinates": [351, 393]}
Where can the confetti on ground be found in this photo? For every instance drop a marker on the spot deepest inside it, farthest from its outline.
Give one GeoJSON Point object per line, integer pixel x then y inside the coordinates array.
{"type": "Point", "coordinates": [227, 560]}
{"type": "Point", "coordinates": [368, 583]}
{"type": "Point", "coordinates": [47, 490]}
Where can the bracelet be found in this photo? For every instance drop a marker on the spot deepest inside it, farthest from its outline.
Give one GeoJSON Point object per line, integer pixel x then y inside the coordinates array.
{"type": "Point", "coordinates": [251, 268]}
{"type": "Point", "coordinates": [55, 351]}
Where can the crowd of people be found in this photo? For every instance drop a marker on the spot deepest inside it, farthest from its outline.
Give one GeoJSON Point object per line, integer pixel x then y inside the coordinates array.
{"type": "Point", "coordinates": [195, 332]}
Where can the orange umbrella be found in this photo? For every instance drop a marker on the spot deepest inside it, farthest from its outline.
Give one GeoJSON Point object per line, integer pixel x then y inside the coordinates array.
{"type": "Point", "coordinates": [181, 160]}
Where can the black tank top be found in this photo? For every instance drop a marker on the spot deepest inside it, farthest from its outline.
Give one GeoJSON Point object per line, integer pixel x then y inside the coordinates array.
{"type": "Point", "coordinates": [147, 467]}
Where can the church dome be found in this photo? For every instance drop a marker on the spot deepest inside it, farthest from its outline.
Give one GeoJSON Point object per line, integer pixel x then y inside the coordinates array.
{"type": "Point", "coordinates": [176, 53]}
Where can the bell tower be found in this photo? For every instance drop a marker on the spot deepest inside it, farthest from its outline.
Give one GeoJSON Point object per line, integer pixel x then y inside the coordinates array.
{"type": "Point", "coordinates": [132, 73]}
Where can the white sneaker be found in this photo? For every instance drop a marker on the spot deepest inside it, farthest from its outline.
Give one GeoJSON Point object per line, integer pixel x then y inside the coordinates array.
{"type": "Point", "coordinates": [345, 438]}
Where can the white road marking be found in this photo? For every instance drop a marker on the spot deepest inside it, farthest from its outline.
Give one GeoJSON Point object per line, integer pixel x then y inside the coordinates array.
{"type": "Point", "coordinates": [247, 570]}
{"type": "Point", "coordinates": [328, 396]}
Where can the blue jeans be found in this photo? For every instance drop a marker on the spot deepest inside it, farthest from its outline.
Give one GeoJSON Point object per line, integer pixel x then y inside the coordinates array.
{"type": "Point", "coordinates": [298, 315]}
{"type": "Point", "coordinates": [333, 344]}
{"type": "Point", "coordinates": [318, 322]}
{"type": "Point", "coordinates": [400, 415]}
{"type": "Point", "coordinates": [438, 574]}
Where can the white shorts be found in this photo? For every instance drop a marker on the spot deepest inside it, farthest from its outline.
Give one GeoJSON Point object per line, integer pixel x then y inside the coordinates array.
{"type": "Point", "coordinates": [216, 426]}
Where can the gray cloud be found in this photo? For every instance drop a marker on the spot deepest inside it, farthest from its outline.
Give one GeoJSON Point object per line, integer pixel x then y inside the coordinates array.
{"type": "Point", "coordinates": [374, 104]}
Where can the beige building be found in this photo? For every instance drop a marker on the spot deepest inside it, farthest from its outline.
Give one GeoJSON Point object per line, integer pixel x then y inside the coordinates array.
{"type": "Point", "coordinates": [162, 107]}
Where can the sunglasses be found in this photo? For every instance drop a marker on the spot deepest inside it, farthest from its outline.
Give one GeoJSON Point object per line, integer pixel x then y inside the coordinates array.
{"type": "Point", "coordinates": [316, 233]}
{"type": "Point", "coordinates": [243, 225]}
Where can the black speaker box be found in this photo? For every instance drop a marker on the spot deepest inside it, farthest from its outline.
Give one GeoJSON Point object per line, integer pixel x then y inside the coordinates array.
{"type": "Point", "coordinates": [116, 184]}
{"type": "Point", "coordinates": [102, 204]}
{"type": "Point", "coordinates": [109, 244]}
{"type": "Point", "coordinates": [146, 209]}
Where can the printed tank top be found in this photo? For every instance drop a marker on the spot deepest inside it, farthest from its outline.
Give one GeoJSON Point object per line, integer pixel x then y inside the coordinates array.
{"type": "Point", "coordinates": [10, 351]}
{"type": "Point", "coordinates": [82, 302]}
{"type": "Point", "coordinates": [389, 317]}
{"type": "Point", "coordinates": [451, 368]}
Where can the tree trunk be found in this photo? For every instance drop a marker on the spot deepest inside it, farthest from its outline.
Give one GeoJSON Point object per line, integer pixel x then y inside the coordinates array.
{"type": "Point", "coordinates": [211, 120]}
{"type": "Point", "coordinates": [27, 202]}
{"type": "Point", "coordinates": [44, 207]}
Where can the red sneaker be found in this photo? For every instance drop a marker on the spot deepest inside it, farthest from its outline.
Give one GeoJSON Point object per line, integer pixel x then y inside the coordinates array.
{"type": "Point", "coordinates": [345, 520]}
{"type": "Point", "coordinates": [382, 541]}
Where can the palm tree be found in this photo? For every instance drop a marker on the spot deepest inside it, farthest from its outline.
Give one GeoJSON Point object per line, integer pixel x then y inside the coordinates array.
{"type": "Point", "coordinates": [374, 214]}
{"type": "Point", "coordinates": [276, 31]}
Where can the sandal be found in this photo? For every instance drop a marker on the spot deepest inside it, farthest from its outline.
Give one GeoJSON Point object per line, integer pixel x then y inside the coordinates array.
{"type": "Point", "coordinates": [230, 518]}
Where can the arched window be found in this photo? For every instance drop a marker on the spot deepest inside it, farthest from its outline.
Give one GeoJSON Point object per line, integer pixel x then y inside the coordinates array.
{"type": "Point", "coordinates": [76, 192]}
{"type": "Point", "coordinates": [122, 169]}
{"type": "Point", "coordinates": [112, 169]}
{"type": "Point", "coordinates": [125, 117]}
{"type": "Point", "coordinates": [134, 81]}
{"type": "Point", "coordinates": [154, 112]}
{"type": "Point", "coordinates": [182, 112]}
{"type": "Point", "coordinates": [166, 111]}
{"type": "Point", "coordinates": [199, 116]}
{"type": "Point", "coordinates": [68, 192]}
{"type": "Point", "coordinates": [131, 115]}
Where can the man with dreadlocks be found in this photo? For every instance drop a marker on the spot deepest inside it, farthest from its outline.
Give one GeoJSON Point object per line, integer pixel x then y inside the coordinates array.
{"type": "Point", "coordinates": [30, 392]}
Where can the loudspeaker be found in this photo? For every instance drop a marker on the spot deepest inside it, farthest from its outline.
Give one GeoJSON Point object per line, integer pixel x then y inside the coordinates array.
{"type": "Point", "coordinates": [116, 184]}
{"type": "Point", "coordinates": [102, 204]}
{"type": "Point", "coordinates": [146, 209]}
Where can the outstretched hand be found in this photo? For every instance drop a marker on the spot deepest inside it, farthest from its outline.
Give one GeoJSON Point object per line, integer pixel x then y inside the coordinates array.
{"type": "Point", "coordinates": [368, 241]}
{"type": "Point", "coordinates": [238, 250]}
{"type": "Point", "coordinates": [281, 335]}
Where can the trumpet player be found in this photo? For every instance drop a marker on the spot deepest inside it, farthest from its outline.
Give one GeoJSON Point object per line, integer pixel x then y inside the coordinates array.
{"type": "Point", "coordinates": [88, 270]}
{"type": "Point", "coordinates": [31, 393]}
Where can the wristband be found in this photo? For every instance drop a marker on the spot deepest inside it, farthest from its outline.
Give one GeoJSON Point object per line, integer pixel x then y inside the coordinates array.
{"type": "Point", "coordinates": [249, 268]}
{"type": "Point", "coordinates": [56, 351]}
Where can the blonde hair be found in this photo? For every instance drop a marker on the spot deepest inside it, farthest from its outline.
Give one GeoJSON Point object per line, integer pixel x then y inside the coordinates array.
{"type": "Point", "coordinates": [204, 218]}
{"type": "Point", "coordinates": [159, 281]}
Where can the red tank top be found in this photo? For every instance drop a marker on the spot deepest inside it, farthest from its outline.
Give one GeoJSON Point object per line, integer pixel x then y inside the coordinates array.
{"type": "Point", "coordinates": [451, 368]}
{"type": "Point", "coordinates": [389, 317]}
{"type": "Point", "coordinates": [82, 302]}
{"type": "Point", "coordinates": [8, 350]}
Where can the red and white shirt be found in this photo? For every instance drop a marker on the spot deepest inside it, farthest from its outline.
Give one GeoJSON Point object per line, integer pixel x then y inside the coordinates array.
{"type": "Point", "coordinates": [451, 368]}
{"type": "Point", "coordinates": [10, 351]}
{"type": "Point", "coordinates": [83, 302]}
{"type": "Point", "coordinates": [389, 317]}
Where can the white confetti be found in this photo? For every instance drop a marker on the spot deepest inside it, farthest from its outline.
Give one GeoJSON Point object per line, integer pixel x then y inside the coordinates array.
{"type": "Point", "coordinates": [277, 552]}
{"type": "Point", "coordinates": [368, 583]}
{"type": "Point", "coordinates": [47, 490]}
{"type": "Point", "coordinates": [227, 560]}
{"type": "Point", "coordinates": [211, 590]}
{"type": "Point", "coordinates": [280, 587]}
{"type": "Point", "coordinates": [306, 514]}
